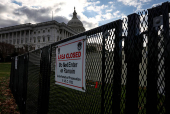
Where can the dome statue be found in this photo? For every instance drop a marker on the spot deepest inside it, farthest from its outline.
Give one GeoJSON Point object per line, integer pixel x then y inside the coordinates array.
{"type": "Point", "coordinates": [75, 23]}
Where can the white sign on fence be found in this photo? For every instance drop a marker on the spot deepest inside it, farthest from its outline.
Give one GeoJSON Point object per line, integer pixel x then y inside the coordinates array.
{"type": "Point", "coordinates": [70, 64]}
{"type": "Point", "coordinates": [16, 61]}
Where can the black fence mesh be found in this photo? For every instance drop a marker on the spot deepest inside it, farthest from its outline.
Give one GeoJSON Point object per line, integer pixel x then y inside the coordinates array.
{"type": "Point", "coordinates": [63, 100]}
{"type": "Point", "coordinates": [127, 70]}
{"type": "Point", "coordinates": [33, 82]}
{"type": "Point", "coordinates": [18, 78]}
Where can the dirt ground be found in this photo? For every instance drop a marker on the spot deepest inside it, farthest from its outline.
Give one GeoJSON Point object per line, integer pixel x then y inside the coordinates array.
{"type": "Point", "coordinates": [7, 101]}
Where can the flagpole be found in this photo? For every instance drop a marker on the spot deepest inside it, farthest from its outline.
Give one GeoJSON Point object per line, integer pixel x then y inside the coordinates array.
{"type": "Point", "coordinates": [52, 15]}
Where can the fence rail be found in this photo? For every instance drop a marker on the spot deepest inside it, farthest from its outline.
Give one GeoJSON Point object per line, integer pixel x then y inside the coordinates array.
{"type": "Point", "coordinates": [128, 58]}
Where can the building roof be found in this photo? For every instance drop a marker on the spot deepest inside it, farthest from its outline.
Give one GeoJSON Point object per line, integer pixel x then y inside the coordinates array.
{"type": "Point", "coordinates": [31, 26]}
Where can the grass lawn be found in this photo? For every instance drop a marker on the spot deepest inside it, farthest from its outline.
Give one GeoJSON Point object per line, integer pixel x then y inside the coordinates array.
{"type": "Point", "coordinates": [63, 100]}
{"type": "Point", "coordinates": [5, 70]}
{"type": "Point", "coordinates": [7, 102]}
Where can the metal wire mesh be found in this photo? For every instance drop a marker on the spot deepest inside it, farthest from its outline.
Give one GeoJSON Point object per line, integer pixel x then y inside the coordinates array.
{"type": "Point", "coordinates": [143, 64]}
{"type": "Point", "coordinates": [127, 70]}
{"type": "Point", "coordinates": [18, 78]}
{"type": "Point", "coordinates": [33, 82]}
{"type": "Point", "coordinates": [63, 100]}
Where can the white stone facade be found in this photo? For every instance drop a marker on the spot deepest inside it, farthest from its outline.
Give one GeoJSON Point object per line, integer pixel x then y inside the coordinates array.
{"type": "Point", "coordinates": [40, 34]}
{"type": "Point", "coordinates": [36, 35]}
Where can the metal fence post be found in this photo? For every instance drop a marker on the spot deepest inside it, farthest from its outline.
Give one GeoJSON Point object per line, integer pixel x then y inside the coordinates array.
{"type": "Point", "coordinates": [117, 68]}
{"type": "Point", "coordinates": [12, 74]}
{"type": "Point", "coordinates": [25, 77]}
{"type": "Point", "coordinates": [133, 50]}
{"type": "Point", "coordinates": [19, 84]}
{"type": "Point", "coordinates": [17, 80]}
{"type": "Point", "coordinates": [14, 79]}
{"type": "Point", "coordinates": [166, 35]}
{"type": "Point", "coordinates": [152, 75]}
{"type": "Point", "coordinates": [103, 70]}
{"type": "Point", "coordinates": [45, 70]}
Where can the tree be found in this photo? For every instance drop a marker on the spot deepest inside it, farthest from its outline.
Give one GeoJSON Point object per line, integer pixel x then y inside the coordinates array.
{"type": "Point", "coordinates": [6, 49]}
{"type": "Point", "coordinates": [92, 47]}
{"type": "Point", "coordinates": [27, 48]}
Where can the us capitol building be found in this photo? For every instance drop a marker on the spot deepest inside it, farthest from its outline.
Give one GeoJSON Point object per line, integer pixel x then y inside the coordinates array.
{"type": "Point", "coordinates": [40, 34]}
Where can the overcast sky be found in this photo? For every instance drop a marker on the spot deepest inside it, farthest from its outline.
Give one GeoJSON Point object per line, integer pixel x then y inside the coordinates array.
{"type": "Point", "coordinates": [92, 13]}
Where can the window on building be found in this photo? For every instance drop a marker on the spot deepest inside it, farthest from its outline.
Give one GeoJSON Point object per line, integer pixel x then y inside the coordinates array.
{"type": "Point", "coordinates": [21, 41]}
{"type": "Point", "coordinates": [48, 38]}
{"type": "Point", "coordinates": [48, 30]}
{"type": "Point", "coordinates": [30, 39]}
{"type": "Point", "coordinates": [34, 32]}
{"type": "Point", "coordinates": [58, 38]}
{"type": "Point", "coordinates": [38, 31]}
{"type": "Point", "coordinates": [43, 39]}
{"type": "Point", "coordinates": [34, 40]}
{"type": "Point", "coordinates": [26, 40]}
{"type": "Point", "coordinates": [43, 31]}
{"type": "Point", "coordinates": [18, 41]}
{"type": "Point", "coordinates": [39, 40]}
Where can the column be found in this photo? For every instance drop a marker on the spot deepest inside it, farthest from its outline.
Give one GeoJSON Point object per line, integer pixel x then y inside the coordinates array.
{"type": "Point", "coordinates": [5, 38]}
{"type": "Point", "coordinates": [66, 34]}
{"type": "Point", "coordinates": [28, 37]}
{"type": "Point", "coordinates": [16, 39]}
{"type": "Point", "coordinates": [53, 33]}
{"type": "Point", "coordinates": [12, 38]}
{"type": "Point", "coordinates": [62, 34]}
{"type": "Point", "coordinates": [24, 37]}
{"type": "Point", "coordinates": [20, 38]}
{"type": "Point", "coordinates": [9, 39]}
{"type": "Point", "coordinates": [40, 39]}
{"type": "Point", "coordinates": [1, 38]}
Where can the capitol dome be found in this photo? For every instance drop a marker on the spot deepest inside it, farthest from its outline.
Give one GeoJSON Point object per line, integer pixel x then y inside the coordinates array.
{"type": "Point", "coordinates": [75, 23]}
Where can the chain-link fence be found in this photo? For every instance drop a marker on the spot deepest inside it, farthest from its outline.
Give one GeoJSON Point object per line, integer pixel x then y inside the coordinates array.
{"type": "Point", "coordinates": [127, 69]}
